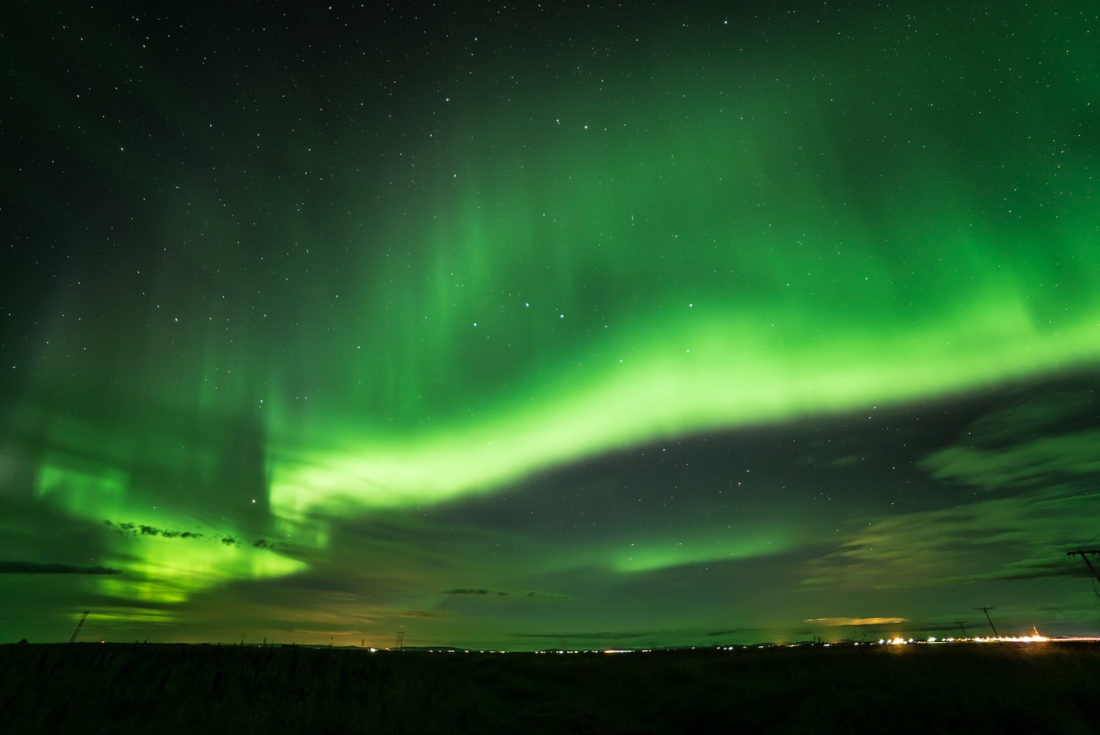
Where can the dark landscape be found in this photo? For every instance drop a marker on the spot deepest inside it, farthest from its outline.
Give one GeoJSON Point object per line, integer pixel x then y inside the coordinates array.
{"type": "Point", "coordinates": [973, 688]}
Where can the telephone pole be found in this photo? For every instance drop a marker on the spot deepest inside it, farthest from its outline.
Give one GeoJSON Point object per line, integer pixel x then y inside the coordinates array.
{"type": "Point", "coordinates": [1084, 554]}
{"type": "Point", "coordinates": [79, 626]}
{"type": "Point", "coordinates": [986, 610]}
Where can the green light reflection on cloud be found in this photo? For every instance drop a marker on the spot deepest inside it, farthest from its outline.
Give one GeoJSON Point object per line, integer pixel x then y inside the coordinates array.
{"type": "Point", "coordinates": [661, 554]}
{"type": "Point", "coordinates": [156, 568]}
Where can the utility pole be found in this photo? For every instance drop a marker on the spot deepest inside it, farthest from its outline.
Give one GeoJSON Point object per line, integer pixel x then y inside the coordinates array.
{"type": "Point", "coordinates": [79, 626]}
{"type": "Point", "coordinates": [986, 610]}
{"type": "Point", "coordinates": [962, 627]}
{"type": "Point", "coordinates": [1084, 554]}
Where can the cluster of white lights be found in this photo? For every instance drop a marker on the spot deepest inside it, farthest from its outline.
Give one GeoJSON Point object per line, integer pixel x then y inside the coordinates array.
{"type": "Point", "coordinates": [1036, 638]}
{"type": "Point", "coordinates": [895, 641]}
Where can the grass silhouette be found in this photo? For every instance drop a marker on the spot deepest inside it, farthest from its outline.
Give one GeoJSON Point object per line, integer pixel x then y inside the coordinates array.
{"type": "Point", "coordinates": [116, 688]}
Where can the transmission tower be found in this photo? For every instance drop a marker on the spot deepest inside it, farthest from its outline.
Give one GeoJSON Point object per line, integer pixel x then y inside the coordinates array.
{"type": "Point", "coordinates": [79, 626]}
{"type": "Point", "coordinates": [986, 610]}
{"type": "Point", "coordinates": [400, 640]}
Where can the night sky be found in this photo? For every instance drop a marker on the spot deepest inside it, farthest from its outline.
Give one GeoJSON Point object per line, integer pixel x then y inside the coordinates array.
{"type": "Point", "coordinates": [540, 327]}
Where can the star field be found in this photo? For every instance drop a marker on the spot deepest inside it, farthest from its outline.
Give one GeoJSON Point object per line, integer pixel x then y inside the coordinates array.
{"type": "Point", "coordinates": [519, 327]}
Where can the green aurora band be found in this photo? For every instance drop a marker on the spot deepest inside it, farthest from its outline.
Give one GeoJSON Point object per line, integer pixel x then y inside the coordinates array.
{"type": "Point", "coordinates": [612, 273]}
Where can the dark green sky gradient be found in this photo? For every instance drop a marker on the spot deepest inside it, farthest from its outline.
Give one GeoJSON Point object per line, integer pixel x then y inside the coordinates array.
{"type": "Point", "coordinates": [653, 324]}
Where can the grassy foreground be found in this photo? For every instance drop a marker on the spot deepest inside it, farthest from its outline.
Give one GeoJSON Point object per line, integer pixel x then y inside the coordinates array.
{"type": "Point", "coordinates": [117, 688]}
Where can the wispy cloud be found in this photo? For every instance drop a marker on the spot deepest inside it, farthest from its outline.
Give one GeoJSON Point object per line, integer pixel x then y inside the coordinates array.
{"type": "Point", "coordinates": [844, 622]}
{"type": "Point", "coordinates": [1020, 465]}
{"type": "Point", "coordinates": [1016, 537]}
{"type": "Point", "coordinates": [27, 567]}
{"type": "Point", "coordinates": [423, 614]}
{"type": "Point", "coordinates": [501, 593]}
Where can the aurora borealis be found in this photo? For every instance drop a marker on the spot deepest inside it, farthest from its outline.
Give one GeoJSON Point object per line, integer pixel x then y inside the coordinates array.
{"type": "Point", "coordinates": [553, 326]}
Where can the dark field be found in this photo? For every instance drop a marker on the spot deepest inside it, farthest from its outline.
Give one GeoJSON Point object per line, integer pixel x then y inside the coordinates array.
{"type": "Point", "coordinates": [114, 688]}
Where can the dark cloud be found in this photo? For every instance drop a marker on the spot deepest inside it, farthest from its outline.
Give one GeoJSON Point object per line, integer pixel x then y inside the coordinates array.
{"type": "Point", "coordinates": [1062, 407]}
{"type": "Point", "coordinates": [140, 529]}
{"type": "Point", "coordinates": [26, 567]}
{"type": "Point", "coordinates": [501, 593]}
{"type": "Point", "coordinates": [313, 582]}
{"type": "Point", "coordinates": [422, 614]}
{"type": "Point", "coordinates": [1042, 569]}
{"type": "Point", "coordinates": [551, 595]}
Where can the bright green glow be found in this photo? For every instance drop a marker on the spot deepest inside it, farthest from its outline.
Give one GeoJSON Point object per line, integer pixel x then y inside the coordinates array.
{"type": "Point", "coordinates": [150, 616]}
{"type": "Point", "coordinates": [171, 570]}
{"type": "Point", "coordinates": [664, 553]}
{"type": "Point", "coordinates": [617, 278]}
{"type": "Point", "coordinates": [157, 568]}
{"type": "Point", "coordinates": [95, 493]}
{"type": "Point", "coordinates": [730, 376]}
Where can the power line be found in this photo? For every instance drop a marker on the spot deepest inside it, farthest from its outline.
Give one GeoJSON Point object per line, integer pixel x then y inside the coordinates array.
{"type": "Point", "coordinates": [1084, 554]}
